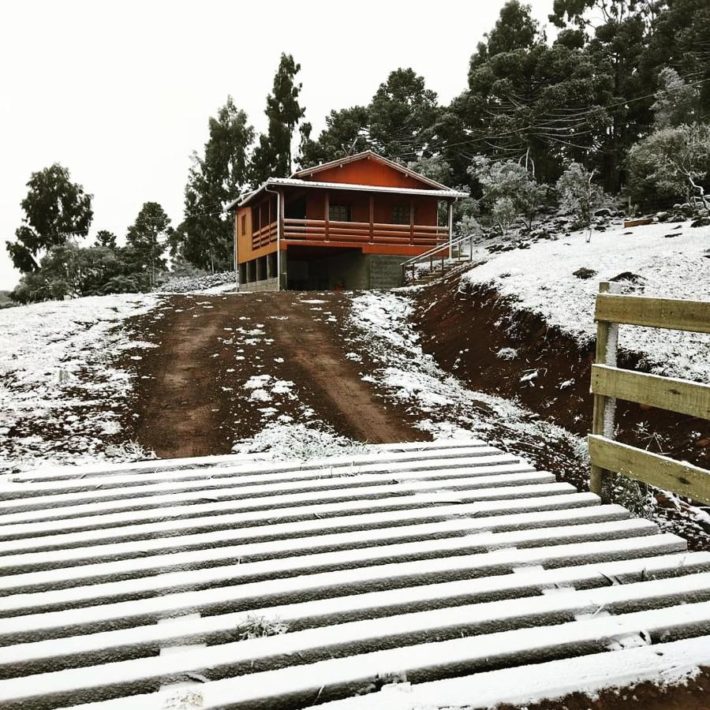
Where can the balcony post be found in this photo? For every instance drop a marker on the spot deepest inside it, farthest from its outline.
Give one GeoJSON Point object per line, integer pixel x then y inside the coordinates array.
{"type": "Point", "coordinates": [411, 221]}
{"type": "Point", "coordinates": [451, 229]}
{"type": "Point", "coordinates": [372, 218]}
{"type": "Point", "coordinates": [326, 216]}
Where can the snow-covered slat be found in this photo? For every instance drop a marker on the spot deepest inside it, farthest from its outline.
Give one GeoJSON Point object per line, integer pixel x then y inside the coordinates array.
{"type": "Point", "coordinates": [433, 451]}
{"type": "Point", "coordinates": [300, 683]}
{"type": "Point", "coordinates": [227, 526]}
{"type": "Point", "coordinates": [493, 621]}
{"type": "Point", "coordinates": [187, 540]}
{"type": "Point", "coordinates": [666, 664]}
{"type": "Point", "coordinates": [19, 525]}
{"type": "Point", "coordinates": [481, 455]}
{"type": "Point", "coordinates": [206, 555]}
{"type": "Point", "coordinates": [436, 561]}
{"type": "Point", "coordinates": [186, 629]}
{"type": "Point", "coordinates": [266, 486]}
{"type": "Point", "coordinates": [68, 505]}
{"type": "Point", "coordinates": [248, 475]}
{"type": "Point", "coordinates": [279, 576]}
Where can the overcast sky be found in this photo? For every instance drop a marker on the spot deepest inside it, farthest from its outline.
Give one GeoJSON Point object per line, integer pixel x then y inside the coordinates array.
{"type": "Point", "coordinates": [120, 91]}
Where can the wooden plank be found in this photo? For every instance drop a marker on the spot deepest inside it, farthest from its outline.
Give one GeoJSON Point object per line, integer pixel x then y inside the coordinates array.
{"type": "Point", "coordinates": [477, 618]}
{"type": "Point", "coordinates": [604, 407]}
{"type": "Point", "coordinates": [670, 313]}
{"type": "Point", "coordinates": [297, 685]}
{"type": "Point", "coordinates": [402, 599]}
{"type": "Point", "coordinates": [637, 222]}
{"type": "Point", "coordinates": [97, 562]}
{"type": "Point", "coordinates": [231, 585]}
{"type": "Point", "coordinates": [659, 471]}
{"type": "Point", "coordinates": [663, 392]}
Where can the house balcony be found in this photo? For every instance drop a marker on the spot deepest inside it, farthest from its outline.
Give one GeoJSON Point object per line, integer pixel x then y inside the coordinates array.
{"type": "Point", "coordinates": [316, 232]}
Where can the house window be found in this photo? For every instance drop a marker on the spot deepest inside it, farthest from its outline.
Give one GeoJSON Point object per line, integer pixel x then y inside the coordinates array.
{"type": "Point", "coordinates": [400, 214]}
{"type": "Point", "coordinates": [244, 224]}
{"type": "Point", "coordinates": [339, 213]}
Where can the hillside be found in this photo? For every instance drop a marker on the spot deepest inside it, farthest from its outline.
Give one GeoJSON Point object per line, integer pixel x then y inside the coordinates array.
{"type": "Point", "coordinates": [519, 325]}
{"type": "Point", "coordinates": [5, 300]}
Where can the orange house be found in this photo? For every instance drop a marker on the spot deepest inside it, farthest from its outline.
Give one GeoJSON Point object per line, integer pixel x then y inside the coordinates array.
{"type": "Point", "coordinates": [348, 224]}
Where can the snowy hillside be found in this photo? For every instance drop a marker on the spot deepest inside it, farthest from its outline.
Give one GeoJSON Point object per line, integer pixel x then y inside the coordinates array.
{"type": "Point", "coordinates": [668, 260]}
{"type": "Point", "coordinates": [58, 381]}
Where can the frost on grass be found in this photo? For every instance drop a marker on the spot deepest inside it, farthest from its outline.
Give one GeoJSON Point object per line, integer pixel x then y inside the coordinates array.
{"type": "Point", "coordinates": [59, 384]}
{"type": "Point", "coordinates": [256, 627]}
{"type": "Point", "coordinates": [285, 440]}
{"type": "Point", "coordinates": [447, 409]}
{"type": "Point", "coordinates": [651, 260]}
{"type": "Point", "coordinates": [440, 401]}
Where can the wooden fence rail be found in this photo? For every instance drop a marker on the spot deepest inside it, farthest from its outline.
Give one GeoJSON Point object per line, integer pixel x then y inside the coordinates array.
{"type": "Point", "coordinates": [610, 383]}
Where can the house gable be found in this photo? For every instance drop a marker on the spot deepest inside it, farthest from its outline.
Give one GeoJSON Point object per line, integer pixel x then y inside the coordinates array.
{"type": "Point", "coordinates": [368, 168]}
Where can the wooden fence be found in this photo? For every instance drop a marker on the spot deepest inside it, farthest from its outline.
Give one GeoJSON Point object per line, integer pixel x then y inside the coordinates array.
{"type": "Point", "coordinates": [610, 383]}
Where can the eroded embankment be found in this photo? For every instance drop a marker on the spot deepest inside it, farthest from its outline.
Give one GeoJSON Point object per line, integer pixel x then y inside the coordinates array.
{"type": "Point", "coordinates": [482, 339]}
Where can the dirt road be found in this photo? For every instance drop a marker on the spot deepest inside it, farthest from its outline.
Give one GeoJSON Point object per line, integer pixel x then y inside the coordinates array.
{"type": "Point", "coordinates": [206, 384]}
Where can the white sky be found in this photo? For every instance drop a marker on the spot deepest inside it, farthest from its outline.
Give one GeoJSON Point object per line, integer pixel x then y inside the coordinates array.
{"type": "Point", "coordinates": [120, 91]}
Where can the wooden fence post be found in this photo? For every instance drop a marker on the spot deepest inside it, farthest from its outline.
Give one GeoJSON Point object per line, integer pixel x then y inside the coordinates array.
{"type": "Point", "coordinates": [604, 407]}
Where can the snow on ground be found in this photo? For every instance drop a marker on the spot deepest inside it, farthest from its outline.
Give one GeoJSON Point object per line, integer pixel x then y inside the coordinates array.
{"type": "Point", "coordinates": [290, 428]}
{"type": "Point", "coordinates": [448, 410]}
{"type": "Point", "coordinates": [221, 282]}
{"type": "Point", "coordinates": [670, 260]}
{"type": "Point", "coordinates": [280, 441]}
{"type": "Point", "coordinates": [444, 406]}
{"type": "Point", "coordinates": [58, 380]}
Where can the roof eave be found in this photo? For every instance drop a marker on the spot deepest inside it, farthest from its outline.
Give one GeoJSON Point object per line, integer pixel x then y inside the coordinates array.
{"type": "Point", "coordinates": [444, 193]}
{"type": "Point", "coordinates": [370, 154]}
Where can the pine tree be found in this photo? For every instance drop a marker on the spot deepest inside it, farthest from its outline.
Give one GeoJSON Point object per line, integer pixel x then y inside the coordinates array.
{"type": "Point", "coordinates": [401, 115]}
{"type": "Point", "coordinates": [272, 155]}
{"type": "Point", "coordinates": [56, 210]}
{"type": "Point", "coordinates": [676, 101]}
{"type": "Point", "coordinates": [346, 132]}
{"type": "Point", "coordinates": [205, 235]}
{"type": "Point", "coordinates": [146, 241]}
{"type": "Point", "coordinates": [104, 238]}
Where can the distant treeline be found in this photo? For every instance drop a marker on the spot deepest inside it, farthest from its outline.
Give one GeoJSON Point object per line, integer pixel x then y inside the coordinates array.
{"type": "Point", "coordinates": [617, 103]}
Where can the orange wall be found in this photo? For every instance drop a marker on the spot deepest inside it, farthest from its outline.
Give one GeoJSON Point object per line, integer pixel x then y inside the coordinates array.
{"type": "Point", "coordinates": [425, 208]}
{"type": "Point", "coordinates": [367, 172]}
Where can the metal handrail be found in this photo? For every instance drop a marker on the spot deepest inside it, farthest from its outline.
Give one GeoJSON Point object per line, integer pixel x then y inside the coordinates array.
{"type": "Point", "coordinates": [431, 252]}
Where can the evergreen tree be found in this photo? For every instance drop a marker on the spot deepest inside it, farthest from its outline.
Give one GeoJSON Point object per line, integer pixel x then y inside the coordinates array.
{"type": "Point", "coordinates": [678, 39]}
{"type": "Point", "coordinates": [507, 186]}
{"type": "Point", "coordinates": [676, 102]}
{"type": "Point", "coordinates": [402, 114]}
{"type": "Point", "coordinates": [345, 133]}
{"type": "Point", "coordinates": [528, 101]}
{"type": "Point", "coordinates": [104, 238]}
{"type": "Point", "coordinates": [618, 32]}
{"type": "Point", "coordinates": [205, 235]}
{"type": "Point", "coordinates": [272, 155]}
{"type": "Point", "coordinates": [146, 241]}
{"type": "Point", "coordinates": [56, 210]}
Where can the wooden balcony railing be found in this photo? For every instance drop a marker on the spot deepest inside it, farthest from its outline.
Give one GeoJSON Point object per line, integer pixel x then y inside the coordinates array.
{"type": "Point", "coordinates": [264, 236]}
{"type": "Point", "coordinates": [314, 231]}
